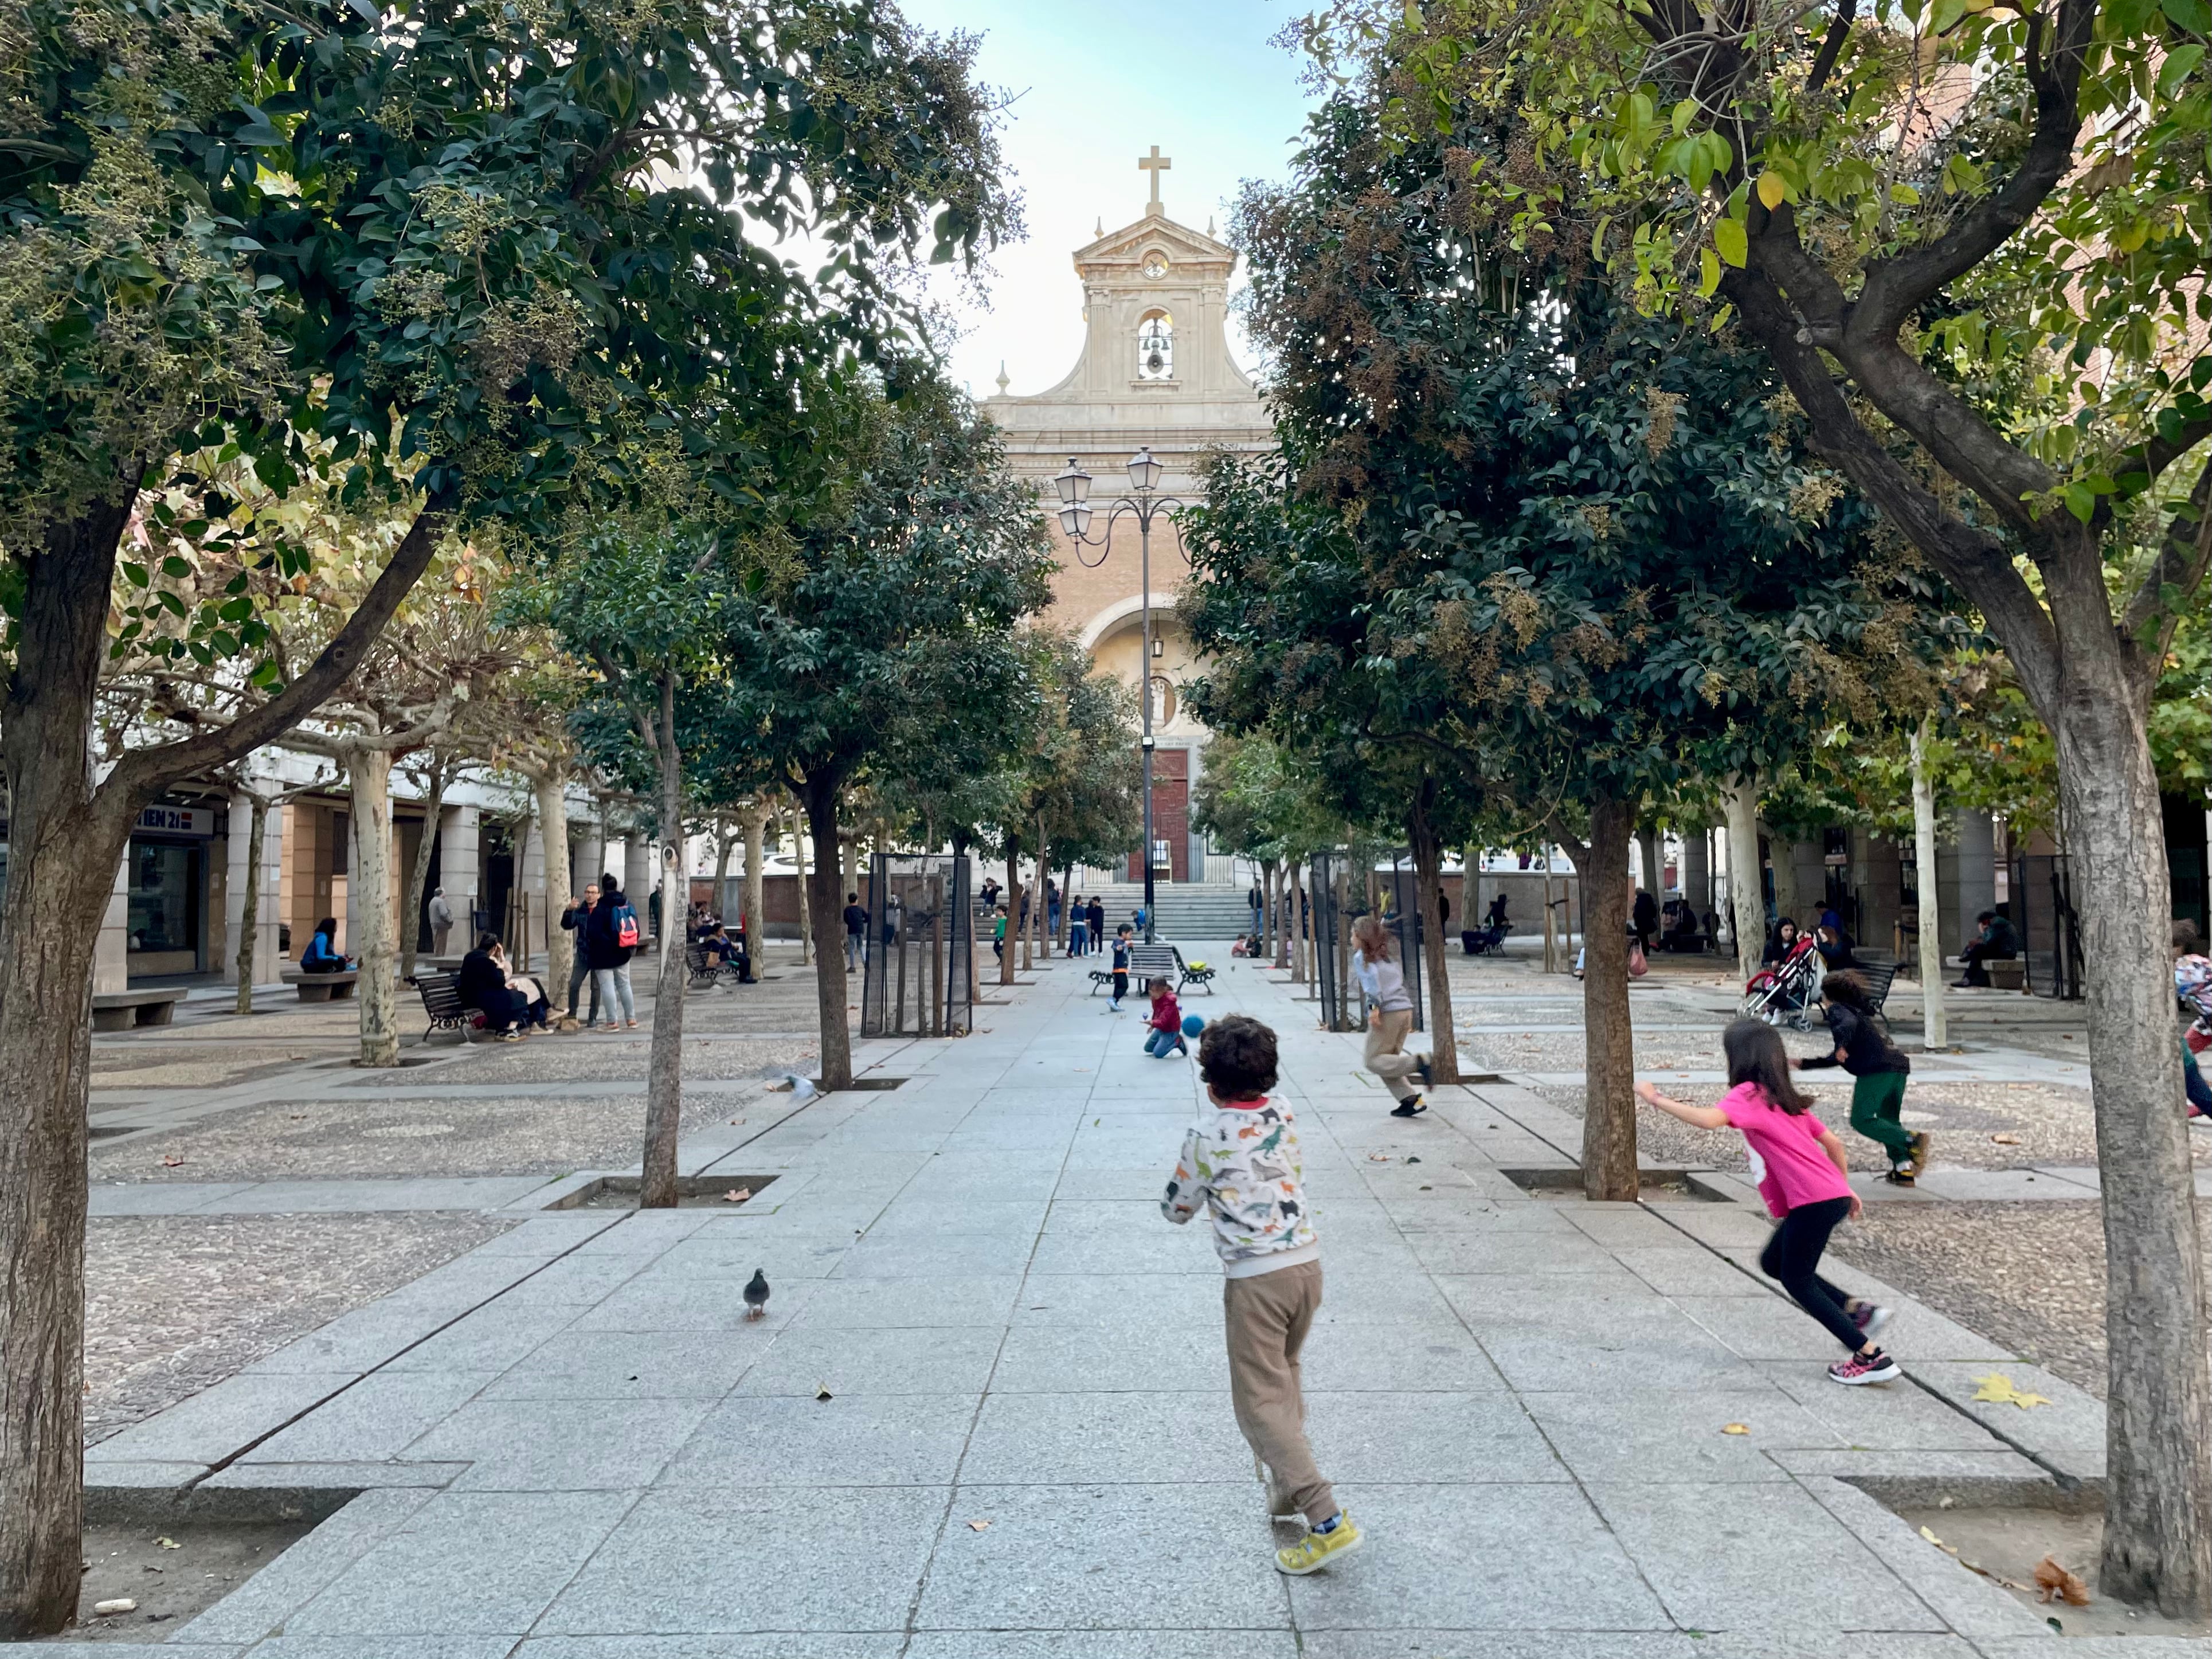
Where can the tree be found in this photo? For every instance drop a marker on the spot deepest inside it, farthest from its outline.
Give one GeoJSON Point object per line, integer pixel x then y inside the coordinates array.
{"type": "Point", "coordinates": [1571, 554]}
{"type": "Point", "coordinates": [227, 224]}
{"type": "Point", "coordinates": [892, 633]}
{"type": "Point", "coordinates": [1972, 241]}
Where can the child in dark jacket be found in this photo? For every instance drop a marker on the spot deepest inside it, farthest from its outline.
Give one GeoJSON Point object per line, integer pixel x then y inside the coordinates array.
{"type": "Point", "coordinates": [1165, 1036]}
{"type": "Point", "coordinates": [1878, 1094]}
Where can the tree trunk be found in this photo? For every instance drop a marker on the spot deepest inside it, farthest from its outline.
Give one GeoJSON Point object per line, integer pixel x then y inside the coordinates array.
{"type": "Point", "coordinates": [1747, 892]}
{"type": "Point", "coordinates": [378, 990]}
{"type": "Point", "coordinates": [64, 843]}
{"type": "Point", "coordinates": [723, 846]}
{"type": "Point", "coordinates": [754, 818]}
{"type": "Point", "coordinates": [1428, 884]}
{"type": "Point", "coordinates": [1789, 900]}
{"type": "Point", "coordinates": [1933, 1036]}
{"type": "Point", "coordinates": [1550, 924]}
{"type": "Point", "coordinates": [1649, 845]}
{"type": "Point", "coordinates": [249, 913]}
{"type": "Point", "coordinates": [1014, 908]}
{"type": "Point", "coordinates": [1271, 930]}
{"type": "Point", "coordinates": [418, 875]}
{"type": "Point", "coordinates": [821, 797]}
{"type": "Point", "coordinates": [2158, 1507]}
{"type": "Point", "coordinates": [552, 788]}
{"type": "Point", "coordinates": [807, 907]}
{"type": "Point", "coordinates": [664, 1065]}
{"type": "Point", "coordinates": [1608, 1039]}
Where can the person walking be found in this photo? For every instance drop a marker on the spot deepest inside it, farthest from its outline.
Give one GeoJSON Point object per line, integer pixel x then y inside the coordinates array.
{"type": "Point", "coordinates": [1095, 913]}
{"type": "Point", "coordinates": [1240, 1164]}
{"type": "Point", "coordinates": [573, 920]}
{"type": "Point", "coordinates": [1052, 907]}
{"type": "Point", "coordinates": [1389, 1016]}
{"type": "Point", "coordinates": [441, 915]}
{"type": "Point", "coordinates": [998, 931]}
{"type": "Point", "coordinates": [1079, 927]}
{"type": "Point", "coordinates": [1805, 1183]}
{"type": "Point", "coordinates": [613, 935]}
{"type": "Point", "coordinates": [1878, 1096]}
{"type": "Point", "coordinates": [856, 931]}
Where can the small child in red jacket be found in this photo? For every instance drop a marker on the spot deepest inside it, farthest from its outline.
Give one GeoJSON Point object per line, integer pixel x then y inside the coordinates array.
{"type": "Point", "coordinates": [1165, 1036]}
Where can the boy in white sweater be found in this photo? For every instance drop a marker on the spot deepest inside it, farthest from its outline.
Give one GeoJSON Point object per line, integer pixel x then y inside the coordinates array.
{"type": "Point", "coordinates": [1241, 1165]}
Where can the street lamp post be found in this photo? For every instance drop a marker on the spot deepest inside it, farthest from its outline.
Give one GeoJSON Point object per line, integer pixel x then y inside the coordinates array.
{"type": "Point", "coordinates": [1142, 503]}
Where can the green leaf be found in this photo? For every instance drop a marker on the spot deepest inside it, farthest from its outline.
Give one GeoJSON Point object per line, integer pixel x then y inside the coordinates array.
{"type": "Point", "coordinates": [1732, 242]}
{"type": "Point", "coordinates": [2180, 64]}
{"type": "Point", "coordinates": [2195, 15]}
{"type": "Point", "coordinates": [1709, 273]}
{"type": "Point", "coordinates": [2130, 17]}
{"type": "Point", "coordinates": [2081, 501]}
{"type": "Point", "coordinates": [175, 569]}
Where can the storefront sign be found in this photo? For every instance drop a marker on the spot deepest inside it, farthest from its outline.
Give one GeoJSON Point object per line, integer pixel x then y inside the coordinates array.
{"type": "Point", "coordinates": [177, 821]}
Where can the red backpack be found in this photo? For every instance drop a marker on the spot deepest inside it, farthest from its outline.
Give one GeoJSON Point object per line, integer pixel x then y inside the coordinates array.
{"type": "Point", "coordinates": [626, 929]}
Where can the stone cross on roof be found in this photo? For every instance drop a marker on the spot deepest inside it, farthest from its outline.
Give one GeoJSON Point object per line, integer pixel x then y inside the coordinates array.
{"type": "Point", "coordinates": [1154, 164]}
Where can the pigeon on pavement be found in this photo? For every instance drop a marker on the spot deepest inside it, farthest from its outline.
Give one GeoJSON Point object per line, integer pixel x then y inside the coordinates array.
{"type": "Point", "coordinates": [756, 1294]}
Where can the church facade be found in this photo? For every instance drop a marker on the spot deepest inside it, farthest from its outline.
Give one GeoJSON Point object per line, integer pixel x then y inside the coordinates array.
{"type": "Point", "coordinates": [1155, 371]}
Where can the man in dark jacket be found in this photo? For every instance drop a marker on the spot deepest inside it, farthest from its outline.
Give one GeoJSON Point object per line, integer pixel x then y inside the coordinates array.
{"type": "Point", "coordinates": [1996, 942]}
{"type": "Point", "coordinates": [573, 920]}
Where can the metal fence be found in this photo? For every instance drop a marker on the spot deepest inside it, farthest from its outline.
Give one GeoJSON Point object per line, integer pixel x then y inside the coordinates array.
{"type": "Point", "coordinates": [2041, 903]}
{"type": "Point", "coordinates": [1345, 888]}
{"type": "Point", "coordinates": [919, 947]}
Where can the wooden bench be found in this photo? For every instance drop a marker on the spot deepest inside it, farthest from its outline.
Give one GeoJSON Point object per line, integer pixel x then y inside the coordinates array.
{"type": "Point", "coordinates": [324, 987]}
{"type": "Point", "coordinates": [442, 1001]}
{"type": "Point", "coordinates": [119, 1011]}
{"type": "Point", "coordinates": [709, 969]}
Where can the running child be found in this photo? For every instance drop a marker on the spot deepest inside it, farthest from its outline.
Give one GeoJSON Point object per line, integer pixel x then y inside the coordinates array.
{"type": "Point", "coordinates": [1240, 1164]}
{"type": "Point", "coordinates": [1122, 942]}
{"type": "Point", "coordinates": [1165, 1037]}
{"type": "Point", "coordinates": [1803, 1175]}
{"type": "Point", "coordinates": [1864, 1051]}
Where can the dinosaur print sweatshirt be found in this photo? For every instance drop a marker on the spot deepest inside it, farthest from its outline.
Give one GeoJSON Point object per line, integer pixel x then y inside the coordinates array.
{"type": "Point", "coordinates": [1241, 1165]}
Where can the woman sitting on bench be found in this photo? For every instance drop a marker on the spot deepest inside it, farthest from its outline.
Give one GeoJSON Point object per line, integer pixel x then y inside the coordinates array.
{"type": "Point", "coordinates": [485, 984]}
{"type": "Point", "coordinates": [321, 955]}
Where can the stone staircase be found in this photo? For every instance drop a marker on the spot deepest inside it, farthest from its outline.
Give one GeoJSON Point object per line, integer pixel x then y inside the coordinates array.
{"type": "Point", "coordinates": [1198, 911]}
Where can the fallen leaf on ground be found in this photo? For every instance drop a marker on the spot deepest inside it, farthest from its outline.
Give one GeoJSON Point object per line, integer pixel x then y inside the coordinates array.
{"type": "Point", "coordinates": [1377, 1157]}
{"type": "Point", "coordinates": [736, 1195]}
{"type": "Point", "coordinates": [737, 1120]}
{"type": "Point", "coordinates": [171, 1161]}
{"type": "Point", "coordinates": [1411, 1158]}
{"type": "Point", "coordinates": [120, 1604]}
{"type": "Point", "coordinates": [2054, 1580]}
{"type": "Point", "coordinates": [168, 1543]}
{"type": "Point", "coordinates": [1997, 1389]}
{"type": "Point", "coordinates": [821, 1391]}
{"type": "Point", "coordinates": [978, 1526]}
{"type": "Point", "coordinates": [2006, 1140]}
{"type": "Point", "coordinates": [1736, 1428]}
{"type": "Point", "coordinates": [1947, 1549]}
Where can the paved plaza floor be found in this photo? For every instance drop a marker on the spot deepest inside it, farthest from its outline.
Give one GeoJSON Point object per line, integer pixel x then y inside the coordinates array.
{"type": "Point", "coordinates": [987, 1415]}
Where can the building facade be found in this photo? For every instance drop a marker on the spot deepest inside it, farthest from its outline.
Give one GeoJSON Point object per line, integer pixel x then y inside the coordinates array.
{"type": "Point", "coordinates": [1155, 373]}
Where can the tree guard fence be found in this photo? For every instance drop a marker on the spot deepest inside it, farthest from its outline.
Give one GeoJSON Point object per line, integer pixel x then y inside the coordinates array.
{"type": "Point", "coordinates": [2042, 907]}
{"type": "Point", "coordinates": [919, 947]}
{"type": "Point", "coordinates": [1345, 888]}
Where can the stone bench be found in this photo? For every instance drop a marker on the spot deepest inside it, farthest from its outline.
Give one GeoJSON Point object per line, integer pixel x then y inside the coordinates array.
{"type": "Point", "coordinates": [2006, 973]}
{"type": "Point", "coordinates": [324, 987]}
{"type": "Point", "coordinates": [119, 1011]}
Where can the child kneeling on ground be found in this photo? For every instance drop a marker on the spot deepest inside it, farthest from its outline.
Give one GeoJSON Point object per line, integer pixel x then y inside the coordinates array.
{"type": "Point", "coordinates": [1165, 1036]}
{"type": "Point", "coordinates": [1805, 1182]}
{"type": "Point", "coordinates": [1241, 1163]}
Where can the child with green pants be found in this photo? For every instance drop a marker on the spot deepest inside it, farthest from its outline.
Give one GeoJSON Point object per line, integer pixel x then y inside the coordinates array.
{"type": "Point", "coordinates": [1867, 1054]}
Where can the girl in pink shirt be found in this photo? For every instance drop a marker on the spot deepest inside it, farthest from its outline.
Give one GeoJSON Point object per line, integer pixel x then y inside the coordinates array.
{"type": "Point", "coordinates": [1804, 1179]}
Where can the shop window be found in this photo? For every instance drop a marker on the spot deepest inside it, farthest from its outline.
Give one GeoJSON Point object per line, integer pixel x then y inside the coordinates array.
{"type": "Point", "coordinates": [164, 908]}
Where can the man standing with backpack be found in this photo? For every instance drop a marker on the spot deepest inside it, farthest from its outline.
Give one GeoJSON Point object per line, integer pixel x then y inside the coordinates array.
{"type": "Point", "coordinates": [613, 936]}
{"type": "Point", "coordinates": [856, 931]}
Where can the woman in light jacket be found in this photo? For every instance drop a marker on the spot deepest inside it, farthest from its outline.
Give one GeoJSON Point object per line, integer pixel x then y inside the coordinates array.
{"type": "Point", "coordinates": [1389, 1016]}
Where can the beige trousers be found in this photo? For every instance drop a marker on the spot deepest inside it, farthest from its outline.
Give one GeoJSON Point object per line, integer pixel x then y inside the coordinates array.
{"type": "Point", "coordinates": [1268, 1317]}
{"type": "Point", "coordinates": [1386, 1054]}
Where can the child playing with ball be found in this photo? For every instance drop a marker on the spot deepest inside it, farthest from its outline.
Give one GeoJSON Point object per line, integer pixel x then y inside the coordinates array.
{"type": "Point", "coordinates": [1165, 1036]}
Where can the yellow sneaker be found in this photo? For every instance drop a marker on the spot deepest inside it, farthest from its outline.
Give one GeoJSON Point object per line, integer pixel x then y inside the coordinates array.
{"type": "Point", "coordinates": [1317, 1549]}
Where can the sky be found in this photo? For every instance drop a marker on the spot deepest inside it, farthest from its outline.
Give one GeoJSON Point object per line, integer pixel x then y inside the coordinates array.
{"type": "Point", "coordinates": [1093, 88]}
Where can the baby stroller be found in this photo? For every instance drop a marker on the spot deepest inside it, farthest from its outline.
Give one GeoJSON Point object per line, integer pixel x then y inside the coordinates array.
{"type": "Point", "coordinates": [1782, 994]}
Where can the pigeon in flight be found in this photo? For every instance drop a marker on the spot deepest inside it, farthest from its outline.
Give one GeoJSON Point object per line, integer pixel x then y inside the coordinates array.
{"type": "Point", "coordinates": [756, 1294]}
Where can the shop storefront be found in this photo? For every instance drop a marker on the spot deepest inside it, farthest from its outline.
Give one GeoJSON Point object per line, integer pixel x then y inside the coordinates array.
{"type": "Point", "coordinates": [166, 880]}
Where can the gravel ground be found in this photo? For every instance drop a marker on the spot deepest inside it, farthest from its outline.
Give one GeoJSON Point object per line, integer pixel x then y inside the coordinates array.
{"type": "Point", "coordinates": [190, 1066]}
{"type": "Point", "coordinates": [175, 1304]}
{"type": "Point", "coordinates": [363, 1135]}
{"type": "Point", "coordinates": [596, 1058]}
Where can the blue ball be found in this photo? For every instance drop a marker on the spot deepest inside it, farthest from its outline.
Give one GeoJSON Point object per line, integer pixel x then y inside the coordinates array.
{"type": "Point", "coordinates": [1192, 1025]}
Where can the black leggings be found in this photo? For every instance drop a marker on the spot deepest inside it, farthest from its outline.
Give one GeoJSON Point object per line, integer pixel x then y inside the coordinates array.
{"type": "Point", "coordinates": [1792, 1256]}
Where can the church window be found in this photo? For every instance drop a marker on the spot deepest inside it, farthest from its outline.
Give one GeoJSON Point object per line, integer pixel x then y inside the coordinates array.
{"type": "Point", "coordinates": [1156, 347]}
